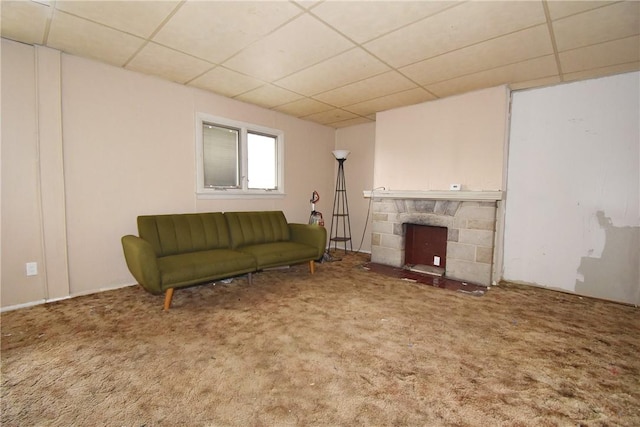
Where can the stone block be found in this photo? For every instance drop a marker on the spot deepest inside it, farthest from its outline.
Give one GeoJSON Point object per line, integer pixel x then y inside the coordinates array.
{"type": "Point", "coordinates": [382, 227]}
{"type": "Point", "coordinates": [481, 224]}
{"type": "Point", "coordinates": [400, 205]}
{"type": "Point", "coordinates": [469, 271]}
{"type": "Point", "coordinates": [487, 204]}
{"type": "Point", "coordinates": [452, 207]}
{"type": "Point", "coordinates": [398, 229]}
{"type": "Point", "coordinates": [477, 237]}
{"type": "Point", "coordinates": [452, 234]}
{"type": "Point", "coordinates": [392, 241]}
{"type": "Point", "coordinates": [424, 206]}
{"type": "Point", "coordinates": [460, 251]}
{"type": "Point", "coordinates": [477, 212]}
{"type": "Point", "coordinates": [459, 222]}
{"type": "Point", "coordinates": [484, 255]}
{"type": "Point", "coordinates": [387, 256]}
{"type": "Point", "coordinates": [442, 207]}
{"type": "Point", "coordinates": [375, 239]}
{"type": "Point", "coordinates": [385, 206]}
{"type": "Point", "coordinates": [380, 217]}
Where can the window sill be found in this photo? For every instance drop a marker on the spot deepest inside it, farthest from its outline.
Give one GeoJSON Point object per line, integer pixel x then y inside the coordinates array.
{"type": "Point", "coordinates": [222, 194]}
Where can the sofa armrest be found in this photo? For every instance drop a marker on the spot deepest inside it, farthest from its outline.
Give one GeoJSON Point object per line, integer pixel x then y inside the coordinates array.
{"type": "Point", "coordinates": [142, 262]}
{"type": "Point", "coordinates": [309, 234]}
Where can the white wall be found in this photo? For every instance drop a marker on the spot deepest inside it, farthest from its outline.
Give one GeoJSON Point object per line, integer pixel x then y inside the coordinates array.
{"type": "Point", "coordinates": [452, 140]}
{"type": "Point", "coordinates": [88, 147]}
{"type": "Point", "coordinates": [573, 209]}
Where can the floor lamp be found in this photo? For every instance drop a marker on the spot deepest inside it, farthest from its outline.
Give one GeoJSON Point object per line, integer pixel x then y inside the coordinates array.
{"type": "Point", "coordinates": [340, 223]}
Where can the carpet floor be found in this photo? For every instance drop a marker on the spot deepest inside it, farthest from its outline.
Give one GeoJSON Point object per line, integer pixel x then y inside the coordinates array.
{"type": "Point", "coordinates": [346, 346]}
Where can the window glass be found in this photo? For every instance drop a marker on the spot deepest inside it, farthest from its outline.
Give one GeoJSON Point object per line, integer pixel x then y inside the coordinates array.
{"type": "Point", "coordinates": [262, 166]}
{"type": "Point", "coordinates": [220, 156]}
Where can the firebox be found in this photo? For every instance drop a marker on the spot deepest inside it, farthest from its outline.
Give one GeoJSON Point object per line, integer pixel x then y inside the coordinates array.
{"type": "Point", "coordinates": [426, 245]}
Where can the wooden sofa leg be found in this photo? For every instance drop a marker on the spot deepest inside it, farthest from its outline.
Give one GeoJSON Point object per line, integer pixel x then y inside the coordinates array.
{"type": "Point", "coordinates": [168, 296]}
{"type": "Point", "coordinates": [312, 266]}
{"type": "Point", "coordinates": [249, 278]}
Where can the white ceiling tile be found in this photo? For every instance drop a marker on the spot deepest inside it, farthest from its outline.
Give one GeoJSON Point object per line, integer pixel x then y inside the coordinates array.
{"type": "Point", "coordinates": [122, 15]}
{"type": "Point", "coordinates": [604, 71]}
{"type": "Point", "coordinates": [331, 116]}
{"type": "Point", "coordinates": [14, 15]}
{"type": "Point", "coordinates": [85, 38]}
{"type": "Point", "coordinates": [545, 81]}
{"type": "Point", "coordinates": [561, 8]}
{"type": "Point", "coordinates": [167, 63]}
{"type": "Point", "coordinates": [226, 82]}
{"type": "Point", "coordinates": [269, 96]}
{"type": "Point", "coordinates": [307, 4]}
{"type": "Point", "coordinates": [407, 97]}
{"type": "Point", "coordinates": [364, 20]}
{"type": "Point", "coordinates": [608, 23]}
{"type": "Point", "coordinates": [348, 67]}
{"type": "Point", "coordinates": [464, 25]}
{"type": "Point", "coordinates": [601, 55]}
{"type": "Point", "coordinates": [304, 107]}
{"type": "Point", "coordinates": [286, 51]}
{"type": "Point", "coordinates": [523, 71]}
{"type": "Point", "coordinates": [373, 87]}
{"type": "Point", "coordinates": [509, 49]}
{"type": "Point", "coordinates": [216, 30]}
{"type": "Point", "coordinates": [350, 122]}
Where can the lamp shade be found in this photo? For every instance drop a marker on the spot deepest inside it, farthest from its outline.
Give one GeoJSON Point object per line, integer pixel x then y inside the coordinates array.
{"type": "Point", "coordinates": [341, 154]}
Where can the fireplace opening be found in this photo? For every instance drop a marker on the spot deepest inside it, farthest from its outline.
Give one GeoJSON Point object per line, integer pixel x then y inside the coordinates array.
{"type": "Point", "coordinates": [426, 248]}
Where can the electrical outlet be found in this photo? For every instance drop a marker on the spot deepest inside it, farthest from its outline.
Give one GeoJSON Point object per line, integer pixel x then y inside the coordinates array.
{"type": "Point", "coordinates": [436, 261]}
{"type": "Point", "coordinates": [455, 187]}
{"type": "Point", "coordinates": [32, 269]}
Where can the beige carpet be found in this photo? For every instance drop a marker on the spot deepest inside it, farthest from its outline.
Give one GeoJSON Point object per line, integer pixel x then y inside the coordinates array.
{"type": "Point", "coordinates": [344, 347]}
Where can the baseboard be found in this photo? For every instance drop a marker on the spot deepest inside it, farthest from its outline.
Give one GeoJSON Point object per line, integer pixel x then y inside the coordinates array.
{"type": "Point", "coordinates": [47, 301]}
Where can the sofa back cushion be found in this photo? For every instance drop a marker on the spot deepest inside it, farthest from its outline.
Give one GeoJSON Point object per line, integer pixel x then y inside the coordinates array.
{"type": "Point", "coordinates": [251, 228]}
{"type": "Point", "coordinates": [180, 233]}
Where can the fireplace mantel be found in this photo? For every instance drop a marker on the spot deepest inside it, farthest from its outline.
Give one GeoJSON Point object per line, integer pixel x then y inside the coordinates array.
{"type": "Point", "coordinates": [435, 195]}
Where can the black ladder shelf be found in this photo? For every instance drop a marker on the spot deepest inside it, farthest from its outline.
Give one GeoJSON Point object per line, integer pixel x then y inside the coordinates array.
{"type": "Point", "coordinates": [341, 233]}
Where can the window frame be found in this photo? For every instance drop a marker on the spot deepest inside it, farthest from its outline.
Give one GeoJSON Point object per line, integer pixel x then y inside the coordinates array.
{"type": "Point", "coordinates": [243, 192]}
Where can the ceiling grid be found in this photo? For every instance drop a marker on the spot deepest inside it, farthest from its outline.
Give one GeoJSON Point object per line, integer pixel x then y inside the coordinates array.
{"type": "Point", "coordinates": [338, 63]}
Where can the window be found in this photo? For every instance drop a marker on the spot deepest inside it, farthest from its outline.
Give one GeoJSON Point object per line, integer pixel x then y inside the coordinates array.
{"type": "Point", "coordinates": [236, 159]}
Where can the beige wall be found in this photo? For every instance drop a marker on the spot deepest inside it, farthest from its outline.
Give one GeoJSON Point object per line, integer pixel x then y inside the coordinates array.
{"type": "Point", "coordinates": [119, 144]}
{"type": "Point", "coordinates": [358, 171]}
{"type": "Point", "coordinates": [21, 219]}
{"type": "Point", "coordinates": [452, 140]}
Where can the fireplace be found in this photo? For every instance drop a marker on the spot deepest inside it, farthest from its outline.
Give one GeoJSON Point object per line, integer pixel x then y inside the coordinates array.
{"type": "Point", "coordinates": [425, 248]}
{"type": "Point", "coordinates": [468, 217]}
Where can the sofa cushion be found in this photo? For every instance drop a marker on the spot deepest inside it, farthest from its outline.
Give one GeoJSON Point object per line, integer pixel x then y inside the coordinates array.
{"type": "Point", "coordinates": [198, 267]}
{"type": "Point", "coordinates": [252, 228]}
{"type": "Point", "coordinates": [183, 233]}
{"type": "Point", "coordinates": [280, 253]}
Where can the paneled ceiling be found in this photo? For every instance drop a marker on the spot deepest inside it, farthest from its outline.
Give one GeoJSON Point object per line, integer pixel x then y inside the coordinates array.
{"type": "Point", "coordinates": [339, 62]}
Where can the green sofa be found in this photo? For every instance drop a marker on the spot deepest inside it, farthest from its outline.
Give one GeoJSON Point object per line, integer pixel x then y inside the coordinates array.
{"type": "Point", "coordinates": [175, 251]}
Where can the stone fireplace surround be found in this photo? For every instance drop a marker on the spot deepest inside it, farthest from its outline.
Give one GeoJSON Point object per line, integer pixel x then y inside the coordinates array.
{"type": "Point", "coordinates": [470, 218]}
